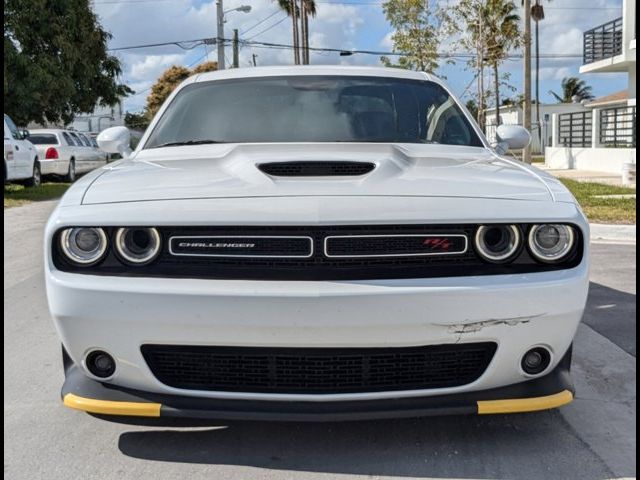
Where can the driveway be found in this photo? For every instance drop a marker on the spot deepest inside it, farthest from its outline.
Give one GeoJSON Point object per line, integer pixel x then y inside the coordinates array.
{"type": "Point", "coordinates": [591, 439]}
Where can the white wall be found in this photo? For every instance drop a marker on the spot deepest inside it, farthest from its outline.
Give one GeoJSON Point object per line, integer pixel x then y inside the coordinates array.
{"type": "Point", "coordinates": [609, 160]}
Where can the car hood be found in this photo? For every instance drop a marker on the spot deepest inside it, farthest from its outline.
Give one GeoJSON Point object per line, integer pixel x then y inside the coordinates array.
{"type": "Point", "coordinates": [230, 170]}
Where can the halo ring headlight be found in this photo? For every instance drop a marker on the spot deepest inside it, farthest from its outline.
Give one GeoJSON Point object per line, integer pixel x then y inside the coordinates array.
{"type": "Point", "coordinates": [84, 246]}
{"type": "Point", "coordinates": [497, 243]}
{"type": "Point", "coordinates": [550, 242]}
{"type": "Point", "coordinates": [137, 245]}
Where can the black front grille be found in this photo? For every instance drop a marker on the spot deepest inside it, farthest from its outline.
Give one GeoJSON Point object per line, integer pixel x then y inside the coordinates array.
{"type": "Point", "coordinates": [242, 246]}
{"type": "Point", "coordinates": [295, 263]}
{"type": "Point", "coordinates": [316, 169]}
{"type": "Point", "coordinates": [394, 245]}
{"type": "Point", "coordinates": [317, 370]}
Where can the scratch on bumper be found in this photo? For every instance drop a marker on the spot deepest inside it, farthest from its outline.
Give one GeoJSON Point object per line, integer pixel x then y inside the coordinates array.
{"type": "Point", "coordinates": [471, 327]}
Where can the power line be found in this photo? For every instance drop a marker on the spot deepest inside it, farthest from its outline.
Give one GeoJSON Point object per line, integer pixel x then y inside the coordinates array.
{"type": "Point", "coordinates": [269, 28]}
{"type": "Point", "coordinates": [180, 43]}
{"type": "Point", "coordinates": [260, 22]}
{"type": "Point", "coordinates": [249, 42]}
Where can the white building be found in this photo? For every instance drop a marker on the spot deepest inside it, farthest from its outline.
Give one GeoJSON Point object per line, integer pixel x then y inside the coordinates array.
{"type": "Point", "coordinates": [93, 123]}
{"type": "Point", "coordinates": [540, 136]}
{"type": "Point", "coordinates": [99, 119]}
{"type": "Point", "coordinates": [604, 138]}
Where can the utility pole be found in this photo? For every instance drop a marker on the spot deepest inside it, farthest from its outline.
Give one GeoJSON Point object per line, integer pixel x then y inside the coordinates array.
{"type": "Point", "coordinates": [236, 60]}
{"type": "Point", "coordinates": [526, 105]}
{"type": "Point", "coordinates": [220, 34]}
{"type": "Point", "coordinates": [253, 56]}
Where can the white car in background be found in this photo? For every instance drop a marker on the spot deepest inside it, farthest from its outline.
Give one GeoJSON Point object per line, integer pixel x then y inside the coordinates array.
{"type": "Point", "coordinates": [20, 156]}
{"type": "Point", "coordinates": [66, 153]}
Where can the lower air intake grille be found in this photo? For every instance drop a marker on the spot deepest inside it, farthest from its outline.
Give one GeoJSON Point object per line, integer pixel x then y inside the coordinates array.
{"type": "Point", "coordinates": [316, 169]}
{"type": "Point", "coordinates": [317, 370]}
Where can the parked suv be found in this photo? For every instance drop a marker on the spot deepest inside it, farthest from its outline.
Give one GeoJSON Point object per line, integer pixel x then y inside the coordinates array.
{"type": "Point", "coordinates": [20, 156]}
{"type": "Point", "coordinates": [66, 153]}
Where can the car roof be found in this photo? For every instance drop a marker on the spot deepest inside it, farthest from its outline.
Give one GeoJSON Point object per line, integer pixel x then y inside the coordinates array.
{"type": "Point", "coordinates": [337, 70]}
{"type": "Point", "coordinates": [47, 130]}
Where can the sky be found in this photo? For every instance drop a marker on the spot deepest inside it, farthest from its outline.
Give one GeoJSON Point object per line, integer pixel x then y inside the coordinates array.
{"type": "Point", "coordinates": [341, 24]}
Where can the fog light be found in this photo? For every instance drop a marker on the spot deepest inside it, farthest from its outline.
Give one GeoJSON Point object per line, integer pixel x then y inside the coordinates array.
{"type": "Point", "coordinates": [536, 360]}
{"type": "Point", "coordinates": [100, 364]}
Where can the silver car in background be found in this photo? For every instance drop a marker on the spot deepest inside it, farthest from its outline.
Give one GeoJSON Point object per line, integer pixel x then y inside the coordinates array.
{"type": "Point", "coordinates": [66, 153]}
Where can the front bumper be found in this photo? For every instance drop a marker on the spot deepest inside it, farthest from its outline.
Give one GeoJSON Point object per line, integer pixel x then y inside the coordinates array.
{"type": "Point", "coordinates": [133, 406]}
{"type": "Point", "coordinates": [119, 315]}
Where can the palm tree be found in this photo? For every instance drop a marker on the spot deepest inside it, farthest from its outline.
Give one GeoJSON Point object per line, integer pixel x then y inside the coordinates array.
{"type": "Point", "coordinates": [307, 7]}
{"type": "Point", "coordinates": [502, 33]}
{"type": "Point", "coordinates": [291, 7]}
{"type": "Point", "coordinates": [299, 11]}
{"type": "Point", "coordinates": [573, 89]}
{"type": "Point", "coordinates": [537, 14]}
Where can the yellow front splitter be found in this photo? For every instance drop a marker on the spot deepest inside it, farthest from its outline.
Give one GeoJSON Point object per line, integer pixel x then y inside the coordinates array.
{"type": "Point", "coordinates": [109, 407]}
{"type": "Point", "coordinates": [518, 405]}
{"type": "Point", "coordinates": [148, 409]}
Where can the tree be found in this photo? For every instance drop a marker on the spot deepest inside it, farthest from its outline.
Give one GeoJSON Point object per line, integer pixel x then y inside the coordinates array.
{"type": "Point", "coordinates": [502, 34]}
{"type": "Point", "coordinates": [308, 8]}
{"type": "Point", "coordinates": [291, 7]}
{"type": "Point", "coordinates": [537, 14]}
{"type": "Point", "coordinates": [417, 30]}
{"type": "Point", "coordinates": [488, 28]}
{"type": "Point", "coordinates": [472, 106]}
{"type": "Point", "coordinates": [136, 121]}
{"type": "Point", "coordinates": [168, 81]}
{"type": "Point", "coordinates": [573, 87]}
{"type": "Point", "coordinates": [56, 63]}
{"type": "Point", "coordinates": [299, 10]}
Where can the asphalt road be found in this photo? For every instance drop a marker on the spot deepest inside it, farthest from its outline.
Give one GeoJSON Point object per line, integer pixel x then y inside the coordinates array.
{"type": "Point", "coordinates": [591, 439]}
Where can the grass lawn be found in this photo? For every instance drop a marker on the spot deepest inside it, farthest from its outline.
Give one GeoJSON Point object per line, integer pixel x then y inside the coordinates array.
{"type": "Point", "coordinates": [603, 210]}
{"type": "Point", "coordinates": [15, 194]}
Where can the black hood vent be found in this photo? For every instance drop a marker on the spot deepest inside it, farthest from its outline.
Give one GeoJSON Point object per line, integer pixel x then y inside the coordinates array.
{"type": "Point", "coordinates": [316, 169]}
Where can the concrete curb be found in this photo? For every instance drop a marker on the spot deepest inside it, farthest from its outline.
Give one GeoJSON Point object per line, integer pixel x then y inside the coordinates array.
{"type": "Point", "coordinates": [613, 233]}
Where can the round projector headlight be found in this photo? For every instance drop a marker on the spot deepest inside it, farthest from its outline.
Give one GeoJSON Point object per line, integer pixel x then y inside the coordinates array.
{"type": "Point", "coordinates": [550, 243]}
{"type": "Point", "coordinates": [84, 245]}
{"type": "Point", "coordinates": [138, 245]}
{"type": "Point", "coordinates": [497, 243]}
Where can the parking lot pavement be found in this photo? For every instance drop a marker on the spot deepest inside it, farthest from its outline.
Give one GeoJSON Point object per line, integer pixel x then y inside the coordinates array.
{"type": "Point", "coordinates": [593, 438]}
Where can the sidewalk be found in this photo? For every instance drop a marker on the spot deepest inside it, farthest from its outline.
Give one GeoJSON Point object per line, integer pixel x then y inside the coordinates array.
{"type": "Point", "coordinates": [585, 175]}
{"type": "Point", "coordinates": [601, 233]}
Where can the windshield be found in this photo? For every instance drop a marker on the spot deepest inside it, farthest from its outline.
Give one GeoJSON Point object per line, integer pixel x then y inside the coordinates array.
{"type": "Point", "coordinates": [313, 109]}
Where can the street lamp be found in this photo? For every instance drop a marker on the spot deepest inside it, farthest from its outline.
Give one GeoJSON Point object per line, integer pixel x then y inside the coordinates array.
{"type": "Point", "coordinates": [220, 12]}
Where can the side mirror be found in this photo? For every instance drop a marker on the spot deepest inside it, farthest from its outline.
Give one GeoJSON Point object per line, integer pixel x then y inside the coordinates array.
{"type": "Point", "coordinates": [25, 134]}
{"type": "Point", "coordinates": [115, 140]}
{"type": "Point", "coordinates": [511, 137]}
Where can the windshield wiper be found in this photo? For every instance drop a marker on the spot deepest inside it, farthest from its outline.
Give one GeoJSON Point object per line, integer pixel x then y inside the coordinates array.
{"type": "Point", "coordinates": [187, 142]}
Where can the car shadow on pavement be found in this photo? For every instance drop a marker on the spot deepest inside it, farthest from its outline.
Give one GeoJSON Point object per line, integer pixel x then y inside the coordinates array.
{"type": "Point", "coordinates": [525, 446]}
{"type": "Point", "coordinates": [612, 313]}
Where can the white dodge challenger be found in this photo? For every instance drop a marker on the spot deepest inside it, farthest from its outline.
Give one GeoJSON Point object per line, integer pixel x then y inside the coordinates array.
{"type": "Point", "coordinates": [315, 243]}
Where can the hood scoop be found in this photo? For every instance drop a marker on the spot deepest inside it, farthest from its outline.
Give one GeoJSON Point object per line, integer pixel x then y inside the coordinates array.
{"type": "Point", "coordinates": [316, 169]}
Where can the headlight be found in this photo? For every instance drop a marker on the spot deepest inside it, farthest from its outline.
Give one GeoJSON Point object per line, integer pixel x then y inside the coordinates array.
{"type": "Point", "coordinates": [84, 245]}
{"type": "Point", "coordinates": [550, 242]}
{"type": "Point", "coordinates": [497, 243]}
{"type": "Point", "coordinates": [137, 246]}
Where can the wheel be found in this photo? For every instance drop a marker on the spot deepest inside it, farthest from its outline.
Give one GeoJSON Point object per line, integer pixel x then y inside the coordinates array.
{"type": "Point", "coordinates": [36, 178]}
{"type": "Point", "coordinates": [71, 174]}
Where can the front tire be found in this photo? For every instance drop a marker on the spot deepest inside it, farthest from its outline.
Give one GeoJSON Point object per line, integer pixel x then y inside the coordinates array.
{"type": "Point", "coordinates": [71, 174]}
{"type": "Point", "coordinates": [36, 178]}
